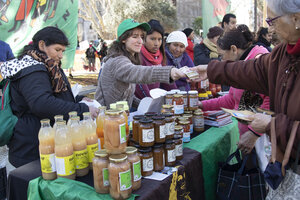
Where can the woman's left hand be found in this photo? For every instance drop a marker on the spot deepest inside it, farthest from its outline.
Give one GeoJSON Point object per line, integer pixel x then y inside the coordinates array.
{"type": "Point", "coordinates": [177, 74]}
{"type": "Point", "coordinates": [87, 99]}
{"type": "Point", "coordinates": [260, 122]}
{"type": "Point", "coordinates": [247, 142]}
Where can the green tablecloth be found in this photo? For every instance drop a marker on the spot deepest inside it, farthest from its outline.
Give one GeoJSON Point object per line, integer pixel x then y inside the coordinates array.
{"type": "Point", "coordinates": [215, 145]}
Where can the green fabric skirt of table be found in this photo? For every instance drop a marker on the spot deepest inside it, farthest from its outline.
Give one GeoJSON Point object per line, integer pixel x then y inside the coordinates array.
{"type": "Point", "coordinates": [40, 189]}
{"type": "Point", "coordinates": [215, 145]}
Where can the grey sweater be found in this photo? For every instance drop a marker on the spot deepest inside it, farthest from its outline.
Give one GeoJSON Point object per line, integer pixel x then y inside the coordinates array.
{"type": "Point", "coordinates": [119, 76]}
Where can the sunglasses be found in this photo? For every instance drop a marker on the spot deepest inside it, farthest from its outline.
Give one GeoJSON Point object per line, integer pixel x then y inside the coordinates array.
{"type": "Point", "coordinates": [270, 20]}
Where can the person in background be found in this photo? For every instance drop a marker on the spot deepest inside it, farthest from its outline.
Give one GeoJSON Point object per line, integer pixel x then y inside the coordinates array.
{"type": "Point", "coordinates": [207, 50]}
{"type": "Point", "coordinates": [40, 90]}
{"type": "Point", "coordinates": [229, 22]}
{"type": "Point", "coordinates": [122, 68]}
{"type": "Point", "coordinates": [5, 54]}
{"type": "Point", "coordinates": [103, 51]}
{"type": "Point", "coordinates": [153, 53]}
{"type": "Point", "coordinates": [264, 38]}
{"type": "Point", "coordinates": [190, 34]}
{"type": "Point", "coordinates": [90, 55]}
{"type": "Point", "coordinates": [176, 55]}
{"type": "Point", "coordinates": [237, 45]}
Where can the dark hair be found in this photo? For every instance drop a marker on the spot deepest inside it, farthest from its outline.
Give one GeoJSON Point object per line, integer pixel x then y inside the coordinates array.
{"type": "Point", "coordinates": [50, 35]}
{"type": "Point", "coordinates": [118, 48]}
{"type": "Point", "coordinates": [262, 32]}
{"type": "Point", "coordinates": [226, 18]}
{"type": "Point", "coordinates": [241, 37]}
{"type": "Point", "coordinates": [156, 26]}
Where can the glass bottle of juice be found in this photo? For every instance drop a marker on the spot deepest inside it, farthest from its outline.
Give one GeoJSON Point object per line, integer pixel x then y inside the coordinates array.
{"type": "Point", "coordinates": [64, 157]}
{"type": "Point", "coordinates": [57, 118]}
{"type": "Point", "coordinates": [46, 148]}
{"type": "Point", "coordinates": [120, 107]}
{"type": "Point", "coordinates": [89, 129]}
{"type": "Point", "coordinates": [79, 147]}
{"type": "Point", "coordinates": [71, 114]}
{"type": "Point", "coordinates": [100, 122]}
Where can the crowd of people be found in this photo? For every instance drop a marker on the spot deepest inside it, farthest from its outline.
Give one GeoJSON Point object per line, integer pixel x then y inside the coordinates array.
{"type": "Point", "coordinates": [255, 69]}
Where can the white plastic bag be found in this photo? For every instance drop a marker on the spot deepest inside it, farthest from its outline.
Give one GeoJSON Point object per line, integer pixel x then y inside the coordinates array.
{"type": "Point", "coordinates": [263, 151]}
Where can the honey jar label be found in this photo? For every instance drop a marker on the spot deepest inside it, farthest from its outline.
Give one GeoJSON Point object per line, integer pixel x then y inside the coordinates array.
{"type": "Point", "coordinates": [148, 135]}
{"type": "Point", "coordinates": [92, 148]}
{"type": "Point", "coordinates": [179, 150]}
{"type": "Point", "coordinates": [105, 177]}
{"type": "Point", "coordinates": [178, 109]}
{"type": "Point", "coordinates": [81, 159]}
{"type": "Point", "coordinates": [171, 155]}
{"type": "Point", "coordinates": [186, 136]}
{"type": "Point", "coordinates": [122, 129]}
{"type": "Point", "coordinates": [191, 128]}
{"type": "Point", "coordinates": [125, 180]}
{"type": "Point", "coordinates": [199, 122]}
{"type": "Point", "coordinates": [137, 175]}
{"type": "Point", "coordinates": [148, 164]}
{"type": "Point", "coordinates": [162, 131]}
{"type": "Point", "coordinates": [48, 163]}
{"type": "Point", "coordinates": [65, 166]}
{"type": "Point", "coordinates": [170, 128]}
{"type": "Point", "coordinates": [193, 102]}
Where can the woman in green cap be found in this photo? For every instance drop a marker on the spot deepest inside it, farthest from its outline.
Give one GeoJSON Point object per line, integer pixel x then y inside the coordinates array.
{"type": "Point", "coordinates": [121, 69]}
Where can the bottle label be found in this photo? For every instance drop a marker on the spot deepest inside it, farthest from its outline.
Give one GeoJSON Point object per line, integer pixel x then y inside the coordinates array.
{"type": "Point", "coordinates": [178, 150]}
{"type": "Point", "coordinates": [148, 164]}
{"type": "Point", "coordinates": [193, 102]}
{"type": "Point", "coordinates": [81, 159]}
{"type": "Point", "coordinates": [199, 122]}
{"type": "Point", "coordinates": [92, 148]}
{"type": "Point", "coordinates": [48, 163]}
{"type": "Point", "coordinates": [162, 131]}
{"type": "Point", "coordinates": [171, 155]}
{"type": "Point", "coordinates": [186, 136]}
{"type": "Point", "coordinates": [122, 129]}
{"type": "Point", "coordinates": [178, 109]}
{"type": "Point", "coordinates": [105, 177]}
{"type": "Point", "coordinates": [137, 171]}
{"type": "Point", "coordinates": [65, 166]}
{"type": "Point", "coordinates": [170, 128]}
{"type": "Point", "coordinates": [125, 180]}
{"type": "Point", "coordinates": [148, 135]}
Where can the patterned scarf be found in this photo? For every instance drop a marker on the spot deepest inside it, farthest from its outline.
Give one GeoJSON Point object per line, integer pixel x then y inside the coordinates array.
{"type": "Point", "coordinates": [154, 58]}
{"type": "Point", "coordinates": [176, 61]}
{"type": "Point", "coordinates": [250, 100]}
{"type": "Point", "coordinates": [212, 47]}
{"type": "Point", "coordinates": [57, 82]}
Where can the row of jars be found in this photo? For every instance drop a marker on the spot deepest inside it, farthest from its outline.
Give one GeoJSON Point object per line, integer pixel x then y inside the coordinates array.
{"type": "Point", "coordinates": [182, 100]}
{"type": "Point", "coordinates": [67, 150]}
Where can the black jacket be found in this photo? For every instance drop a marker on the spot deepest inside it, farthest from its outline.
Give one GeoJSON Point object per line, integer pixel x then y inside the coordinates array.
{"type": "Point", "coordinates": [33, 100]}
{"type": "Point", "coordinates": [201, 55]}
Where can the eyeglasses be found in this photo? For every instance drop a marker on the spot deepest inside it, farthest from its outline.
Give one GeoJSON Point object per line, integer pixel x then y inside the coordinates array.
{"type": "Point", "coordinates": [270, 20]}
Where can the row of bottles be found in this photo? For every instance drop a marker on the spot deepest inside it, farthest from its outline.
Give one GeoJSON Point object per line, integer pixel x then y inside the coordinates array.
{"type": "Point", "coordinates": [67, 150]}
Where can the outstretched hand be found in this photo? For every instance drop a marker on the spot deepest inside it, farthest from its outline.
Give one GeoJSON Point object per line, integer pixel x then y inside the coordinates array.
{"type": "Point", "coordinates": [202, 71]}
{"type": "Point", "coordinates": [177, 74]}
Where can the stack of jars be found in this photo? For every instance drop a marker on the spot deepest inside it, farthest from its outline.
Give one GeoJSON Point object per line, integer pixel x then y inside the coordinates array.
{"type": "Point", "coordinates": [157, 144]}
{"type": "Point", "coordinates": [181, 101]}
{"type": "Point", "coordinates": [67, 150]}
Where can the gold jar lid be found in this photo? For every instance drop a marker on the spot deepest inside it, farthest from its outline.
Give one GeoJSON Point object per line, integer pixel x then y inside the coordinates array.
{"type": "Point", "coordinates": [101, 153]}
{"type": "Point", "coordinates": [187, 115]}
{"type": "Point", "coordinates": [182, 118]}
{"type": "Point", "coordinates": [86, 113]}
{"type": "Point", "coordinates": [118, 158]}
{"type": "Point", "coordinates": [178, 128]}
{"type": "Point", "coordinates": [188, 112]}
{"type": "Point", "coordinates": [113, 112]}
{"type": "Point", "coordinates": [178, 95]}
{"type": "Point", "coordinates": [203, 95]}
{"type": "Point", "coordinates": [184, 122]}
{"type": "Point", "coordinates": [166, 106]}
{"type": "Point", "coordinates": [102, 108]}
{"type": "Point", "coordinates": [58, 117]}
{"type": "Point", "coordinates": [193, 92]}
{"type": "Point", "coordinates": [131, 150]}
{"type": "Point", "coordinates": [198, 112]}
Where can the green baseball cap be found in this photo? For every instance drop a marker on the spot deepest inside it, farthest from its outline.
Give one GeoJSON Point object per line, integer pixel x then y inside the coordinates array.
{"type": "Point", "coordinates": [128, 24]}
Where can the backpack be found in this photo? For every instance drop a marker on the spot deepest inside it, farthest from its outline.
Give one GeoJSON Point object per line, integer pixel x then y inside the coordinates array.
{"type": "Point", "coordinates": [7, 119]}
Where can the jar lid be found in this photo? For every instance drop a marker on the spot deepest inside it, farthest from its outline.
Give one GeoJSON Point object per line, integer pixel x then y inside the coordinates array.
{"type": "Point", "coordinates": [150, 114]}
{"type": "Point", "coordinates": [168, 114]}
{"type": "Point", "coordinates": [171, 92]}
{"type": "Point", "coordinates": [146, 120]}
{"type": "Point", "coordinates": [145, 149]}
{"type": "Point", "coordinates": [72, 113]}
{"type": "Point", "coordinates": [58, 117]}
{"type": "Point", "coordinates": [113, 106]}
{"type": "Point", "coordinates": [198, 112]}
{"type": "Point", "coordinates": [175, 90]}
{"type": "Point", "coordinates": [131, 150]}
{"type": "Point", "coordinates": [86, 113]}
{"type": "Point", "coordinates": [157, 145]}
{"type": "Point", "coordinates": [169, 141]}
{"type": "Point", "coordinates": [187, 115]}
{"type": "Point", "coordinates": [45, 121]}
{"type": "Point", "coordinates": [138, 117]}
{"type": "Point", "coordinates": [167, 106]}
{"type": "Point", "coordinates": [102, 108]}
{"type": "Point", "coordinates": [184, 118]}
{"type": "Point", "coordinates": [159, 117]}
{"type": "Point", "coordinates": [178, 95]}
{"type": "Point", "coordinates": [203, 95]}
{"type": "Point", "coordinates": [208, 92]}
{"type": "Point", "coordinates": [193, 92]}
{"type": "Point", "coordinates": [182, 92]}
{"type": "Point", "coordinates": [188, 112]}
{"type": "Point", "coordinates": [118, 158]}
{"type": "Point", "coordinates": [178, 128]}
{"type": "Point", "coordinates": [101, 153]}
{"type": "Point", "coordinates": [113, 112]}
{"type": "Point", "coordinates": [184, 122]}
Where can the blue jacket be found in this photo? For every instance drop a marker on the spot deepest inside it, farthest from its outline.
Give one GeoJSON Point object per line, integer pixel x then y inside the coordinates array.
{"type": "Point", "coordinates": [5, 52]}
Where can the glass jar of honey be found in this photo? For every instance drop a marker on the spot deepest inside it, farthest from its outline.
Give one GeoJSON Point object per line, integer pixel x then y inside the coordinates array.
{"type": "Point", "coordinates": [158, 157]}
{"type": "Point", "coordinates": [100, 172]}
{"type": "Point", "coordinates": [146, 156]}
{"type": "Point", "coordinates": [186, 131]}
{"type": "Point", "coordinates": [146, 133]}
{"type": "Point", "coordinates": [167, 109]}
{"type": "Point", "coordinates": [178, 147]}
{"type": "Point", "coordinates": [115, 132]}
{"type": "Point", "coordinates": [159, 128]}
{"type": "Point", "coordinates": [169, 97]}
{"type": "Point", "coordinates": [185, 99]}
{"type": "Point", "coordinates": [170, 123]}
{"type": "Point", "coordinates": [193, 100]}
{"type": "Point", "coordinates": [190, 119]}
{"type": "Point", "coordinates": [119, 177]}
{"type": "Point", "coordinates": [179, 131]}
{"type": "Point", "coordinates": [135, 164]}
{"type": "Point", "coordinates": [135, 127]}
{"type": "Point", "coordinates": [198, 121]}
{"type": "Point", "coordinates": [178, 104]}
{"type": "Point", "coordinates": [170, 153]}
